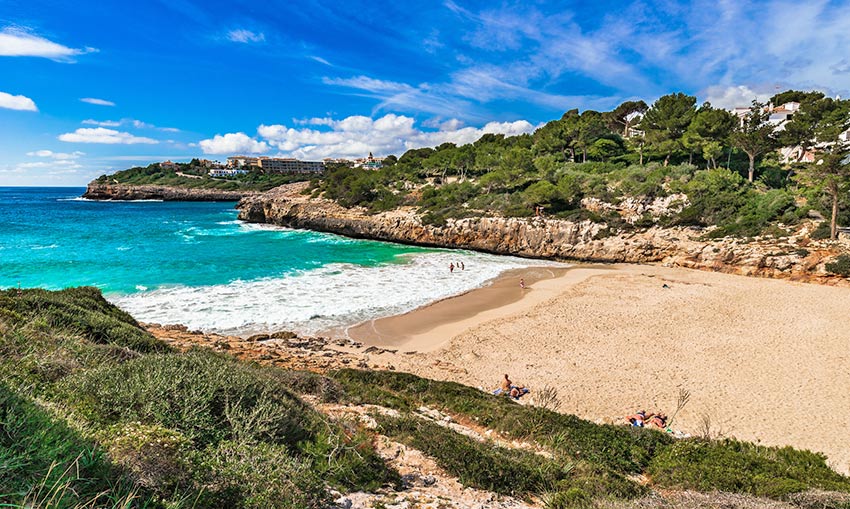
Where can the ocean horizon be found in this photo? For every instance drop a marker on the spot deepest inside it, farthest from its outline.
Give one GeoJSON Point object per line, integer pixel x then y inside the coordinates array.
{"type": "Point", "coordinates": [196, 264]}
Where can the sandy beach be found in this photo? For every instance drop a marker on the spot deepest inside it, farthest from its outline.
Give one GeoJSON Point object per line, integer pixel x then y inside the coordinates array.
{"type": "Point", "coordinates": [764, 360]}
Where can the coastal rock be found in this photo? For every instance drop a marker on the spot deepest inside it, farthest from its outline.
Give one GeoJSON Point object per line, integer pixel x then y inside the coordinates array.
{"type": "Point", "coordinates": [123, 192]}
{"type": "Point", "coordinates": [538, 237]}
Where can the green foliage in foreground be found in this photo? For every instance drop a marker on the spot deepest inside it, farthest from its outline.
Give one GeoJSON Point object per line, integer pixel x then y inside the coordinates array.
{"type": "Point", "coordinates": [44, 463]}
{"type": "Point", "coordinates": [741, 467]}
{"type": "Point", "coordinates": [507, 471]}
{"type": "Point", "coordinates": [623, 449]}
{"type": "Point", "coordinates": [96, 412]}
{"type": "Point", "coordinates": [133, 424]}
{"type": "Point", "coordinates": [590, 459]}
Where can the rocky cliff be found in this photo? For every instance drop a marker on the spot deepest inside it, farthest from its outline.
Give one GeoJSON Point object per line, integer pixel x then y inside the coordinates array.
{"type": "Point", "coordinates": [96, 191]}
{"type": "Point", "coordinates": [794, 257]}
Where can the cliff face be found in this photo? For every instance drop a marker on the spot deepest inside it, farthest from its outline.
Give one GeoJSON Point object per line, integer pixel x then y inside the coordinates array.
{"type": "Point", "coordinates": [96, 191]}
{"type": "Point", "coordinates": [793, 257]}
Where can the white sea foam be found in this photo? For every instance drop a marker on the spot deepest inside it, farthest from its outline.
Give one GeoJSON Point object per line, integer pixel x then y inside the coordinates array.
{"type": "Point", "coordinates": [308, 302]}
{"type": "Point", "coordinates": [51, 246]}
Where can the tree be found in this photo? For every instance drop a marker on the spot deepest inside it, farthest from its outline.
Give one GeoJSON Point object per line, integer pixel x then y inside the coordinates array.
{"type": "Point", "coordinates": [819, 118]}
{"type": "Point", "coordinates": [832, 173]}
{"type": "Point", "coordinates": [666, 121]}
{"type": "Point", "coordinates": [754, 135]}
{"type": "Point", "coordinates": [591, 128]}
{"type": "Point", "coordinates": [708, 132]}
{"type": "Point", "coordinates": [621, 119]}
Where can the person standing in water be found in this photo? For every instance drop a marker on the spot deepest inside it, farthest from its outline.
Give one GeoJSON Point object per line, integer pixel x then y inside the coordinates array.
{"type": "Point", "coordinates": [451, 267]}
{"type": "Point", "coordinates": [522, 283]}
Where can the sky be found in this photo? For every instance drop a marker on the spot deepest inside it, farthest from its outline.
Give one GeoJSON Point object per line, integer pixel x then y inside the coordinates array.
{"type": "Point", "coordinates": [92, 87]}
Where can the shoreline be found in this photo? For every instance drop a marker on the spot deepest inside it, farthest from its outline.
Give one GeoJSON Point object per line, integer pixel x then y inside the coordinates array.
{"type": "Point", "coordinates": [429, 327]}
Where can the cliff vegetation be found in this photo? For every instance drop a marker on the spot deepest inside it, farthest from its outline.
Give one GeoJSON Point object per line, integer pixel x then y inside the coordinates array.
{"type": "Point", "coordinates": [710, 168]}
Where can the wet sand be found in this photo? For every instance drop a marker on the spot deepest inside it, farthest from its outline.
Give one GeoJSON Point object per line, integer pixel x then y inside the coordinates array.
{"type": "Point", "coordinates": [421, 329]}
{"type": "Point", "coordinates": [766, 361]}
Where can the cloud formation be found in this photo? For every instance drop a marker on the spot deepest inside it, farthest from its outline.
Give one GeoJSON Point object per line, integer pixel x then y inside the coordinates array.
{"type": "Point", "coordinates": [356, 136]}
{"type": "Point", "coordinates": [138, 124]}
{"type": "Point", "coordinates": [21, 42]}
{"type": "Point", "coordinates": [17, 102]}
{"type": "Point", "coordinates": [245, 36]}
{"type": "Point", "coordinates": [106, 136]}
{"type": "Point", "coordinates": [59, 156]}
{"type": "Point", "coordinates": [233, 143]}
{"type": "Point", "coordinates": [734, 96]}
{"type": "Point", "coordinates": [99, 102]}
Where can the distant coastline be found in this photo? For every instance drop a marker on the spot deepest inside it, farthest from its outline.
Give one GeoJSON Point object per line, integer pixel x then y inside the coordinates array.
{"type": "Point", "coordinates": [126, 192]}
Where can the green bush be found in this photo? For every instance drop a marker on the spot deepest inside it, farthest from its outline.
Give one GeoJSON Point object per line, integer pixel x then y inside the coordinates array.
{"type": "Point", "coordinates": [480, 465]}
{"type": "Point", "coordinates": [205, 396]}
{"type": "Point", "coordinates": [81, 310]}
{"type": "Point", "coordinates": [256, 475]}
{"type": "Point", "coordinates": [841, 266]}
{"type": "Point", "coordinates": [741, 467]}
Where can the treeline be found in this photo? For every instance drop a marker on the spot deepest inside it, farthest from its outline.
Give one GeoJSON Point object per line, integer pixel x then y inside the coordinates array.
{"type": "Point", "coordinates": [728, 165]}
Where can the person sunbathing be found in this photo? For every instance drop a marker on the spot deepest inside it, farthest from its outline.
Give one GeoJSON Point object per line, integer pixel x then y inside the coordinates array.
{"type": "Point", "coordinates": [658, 420]}
{"type": "Point", "coordinates": [637, 419]}
{"type": "Point", "coordinates": [518, 391]}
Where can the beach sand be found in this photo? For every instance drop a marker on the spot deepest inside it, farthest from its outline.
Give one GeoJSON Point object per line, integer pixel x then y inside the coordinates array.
{"type": "Point", "coordinates": [765, 361]}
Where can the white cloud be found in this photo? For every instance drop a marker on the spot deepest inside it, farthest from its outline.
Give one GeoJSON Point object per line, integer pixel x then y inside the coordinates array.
{"type": "Point", "coordinates": [103, 135]}
{"type": "Point", "coordinates": [66, 166]}
{"type": "Point", "coordinates": [17, 102]}
{"type": "Point", "coordinates": [320, 60]}
{"type": "Point", "coordinates": [20, 42]}
{"type": "Point", "coordinates": [60, 156]}
{"type": "Point", "coordinates": [232, 143]}
{"type": "Point", "coordinates": [99, 102]}
{"type": "Point", "coordinates": [245, 36]}
{"type": "Point", "coordinates": [734, 96]}
{"type": "Point", "coordinates": [356, 136]}
{"type": "Point", "coordinates": [138, 124]}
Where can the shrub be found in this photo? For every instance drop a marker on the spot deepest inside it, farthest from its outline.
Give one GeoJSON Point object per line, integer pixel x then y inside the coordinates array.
{"type": "Point", "coordinates": [205, 396]}
{"type": "Point", "coordinates": [256, 475]}
{"type": "Point", "coordinates": [740, 467]}
{"type": "Point", "coordinates": [616, 447]}
{"type": "Point", "coordinates": [841, 266]}
{"type": "Point", "coordinates": [81, 310]}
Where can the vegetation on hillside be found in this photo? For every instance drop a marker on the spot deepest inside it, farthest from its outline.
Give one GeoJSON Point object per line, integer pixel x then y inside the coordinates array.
{"type": "Point", "coordinates": [728, 168]}
{"type": "Point", "coordinates": [196, 176]}
{"type": "Point", "coordinates": [94, 412]}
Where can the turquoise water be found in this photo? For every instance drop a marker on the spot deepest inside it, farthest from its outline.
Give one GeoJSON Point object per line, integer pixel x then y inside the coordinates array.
{"type": "Point", "coordinates": [196, 264]}
{"type": "Point", "coordinates": [51, 239]}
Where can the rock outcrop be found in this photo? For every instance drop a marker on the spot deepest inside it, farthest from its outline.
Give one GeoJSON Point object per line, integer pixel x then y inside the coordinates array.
{"type": "Point", "coordinates": [96, 191]}
{"type": "Point", "coordinates": [794, 257]}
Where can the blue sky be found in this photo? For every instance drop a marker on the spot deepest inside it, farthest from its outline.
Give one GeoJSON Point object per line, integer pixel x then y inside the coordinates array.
{"type": "Point", "coordinates": [91, 87]}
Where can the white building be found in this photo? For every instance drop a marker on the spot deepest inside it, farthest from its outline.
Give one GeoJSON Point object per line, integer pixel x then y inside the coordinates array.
{"type": "Point", "coordinates": [227, 172]}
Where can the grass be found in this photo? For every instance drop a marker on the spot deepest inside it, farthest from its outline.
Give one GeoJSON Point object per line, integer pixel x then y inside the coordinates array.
{"type": "Point", "coordinates": [600, 456]}
{"type": "Point", "coordinates": [623, 449]}
{"type": "Point", "coordinates": [514, 472]}
{"type": "Point", "coordinates": [741, 467]}
{"type": "Point", "coordinates": [95, 412]}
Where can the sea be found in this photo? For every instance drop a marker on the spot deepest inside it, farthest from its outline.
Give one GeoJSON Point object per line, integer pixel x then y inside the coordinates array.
{"type": "Point", "coordinates": [196, 264]}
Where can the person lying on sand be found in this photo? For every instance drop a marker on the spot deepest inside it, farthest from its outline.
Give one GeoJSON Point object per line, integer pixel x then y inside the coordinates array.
{"type": "Point", "coordinates": [518, 391]}
{"type": "Point", "coordinates": [637, 419]}
{"type": "Point", "coordinates": [659, 420]}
